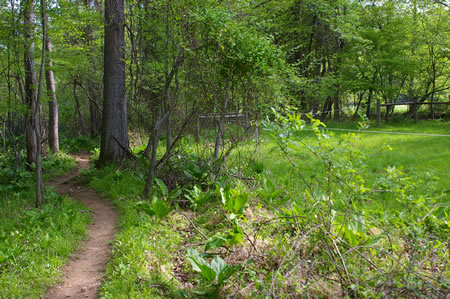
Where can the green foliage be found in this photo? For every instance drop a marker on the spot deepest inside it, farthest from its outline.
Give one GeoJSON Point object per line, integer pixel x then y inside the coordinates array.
{"type": "Point", "coordinates": [142, 253]}
{"type": "Point", "coordinates": [198, 197]}
{"type": "Point", "coordinates": [256, 166]}
{"type": "Point", "coordinates": [158, 209]}
{"type": "Point", "coordinates": [77, 144]}
{"type": "Point", "coordinates": [57, 164]}
{"type": "Point", "coordinates": [161, 204]}
{"type": "Point", "coordinates": [195, 172]}
{"type": "Point", "coordinates": [234, 200]}
{"type": "Point", "coordinates": [215, 241]}
{"type": "Point", "coordinates": [142, 249]}
{"type": "Point", "coordinates": [216, 273]}
{"type": "Point", "coordinates": [241, 51]}
{"type": "Point", "coordinates": [116, 184]}
{"type": "Point", "coordinates": [269, 193]}
{"type": "Point", "coordinates": [388, 224]}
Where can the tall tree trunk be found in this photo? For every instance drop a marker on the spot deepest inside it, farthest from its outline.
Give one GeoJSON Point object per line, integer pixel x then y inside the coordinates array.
{"type": "Point", "coordinates": [30, 80]}
{"type": "Point", "coordinates": [93, 86]}
{"type": "Point", "coordinates": [153, 144]}
{"type": "Point", "coordinates": [114, 139]}
{"type": "Point", "coordinates": [37, 109]}
{"type": "Point", "coordinates": [53, 134]}
{"type": "Point", "coordinates": [167, 94]}
{"type": "Point", "coordinates": [33, 99]}
{"type": "Point", "coordinates": [94, 112]}
{"type": "Point", "coordinates": [433, 84]}
{"type": "Point", "coordinates": [369, 103]}
{"type": "Point", "coordinates": [78, 106]}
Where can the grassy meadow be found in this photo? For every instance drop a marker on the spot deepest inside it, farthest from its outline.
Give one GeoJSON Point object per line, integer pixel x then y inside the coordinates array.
{"type": "Point", "coordinates": [416, 155]}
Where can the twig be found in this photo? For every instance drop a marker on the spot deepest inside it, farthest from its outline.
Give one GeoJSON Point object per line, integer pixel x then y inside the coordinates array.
{"type": "Point", "coordinates": [187, 217]}
{"type": "Point", "coordinates": [340, 256]}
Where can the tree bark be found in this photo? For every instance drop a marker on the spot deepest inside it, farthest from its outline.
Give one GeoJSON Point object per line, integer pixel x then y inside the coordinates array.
{"type": "Point", "coordinates": [93, 86]}
{"type": "Point", "coordinates": [33, 98]}
{"type": "Point", "coordinates": [53, 134]}
{"type": "Point", "coordinates": [167, 93]}
{"type": "Point", "coordinates": [78, 106]}
{"type": "Point", "coordinates": [37, 110]}
{"type": "Point", "coordinates": [94, 110]}
{"type": "Point", "coordinates": [30, 80]}
{"type": "Point", "coordinates": [369, 103]}
{"type": "Point", "coordinates": [114, 137]}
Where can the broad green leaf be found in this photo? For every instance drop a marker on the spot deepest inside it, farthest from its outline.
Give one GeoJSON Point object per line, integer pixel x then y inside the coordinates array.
{"type": "Point", "coordinates": [200, 265]}
{"type": "Point", "coordinates": [162, 186]}
{"type": "Point", "coordinates": [218, 265]}
{"type": "Point", "coordinates": [239, 202]}
{"type": "Point", "coordinates": [175, 193]}
{"type": "Point", "coordinates": [215, 242]}
{"type": "Point", "coordinates": [161, 208]}
{"type": "Point", "coordinates": [235, 236]}
{"type": "Point", "coordinates": [226, 273]}
{"type": "Point", "coordinates": [373, 240]}
{"type": "Point", "coordinates": [143, 206]}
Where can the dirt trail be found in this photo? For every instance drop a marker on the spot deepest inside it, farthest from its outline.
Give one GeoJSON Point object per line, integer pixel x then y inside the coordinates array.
{"type": "Point", "coordinates": [83, 274]}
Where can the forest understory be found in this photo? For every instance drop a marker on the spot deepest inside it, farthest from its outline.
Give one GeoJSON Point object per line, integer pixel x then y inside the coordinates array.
{"type": "Point", "coordinates": [237, 149]}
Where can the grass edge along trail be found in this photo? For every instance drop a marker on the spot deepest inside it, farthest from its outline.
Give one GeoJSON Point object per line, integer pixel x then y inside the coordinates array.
{"type": "Point", "coordinates": [35, 244]}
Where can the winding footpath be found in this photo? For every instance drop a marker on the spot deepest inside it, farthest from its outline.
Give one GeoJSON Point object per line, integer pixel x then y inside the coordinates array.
{"type": "Point", "coordinates": [84, 272]}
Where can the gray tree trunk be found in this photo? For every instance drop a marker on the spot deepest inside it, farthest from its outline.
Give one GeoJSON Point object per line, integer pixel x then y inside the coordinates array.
{"type": "Point", "coordinates": [94, 106]}
{"type": "Point", "coordinates": [78, 107]}
{"type": "Point", "coordinates": [167, 94]}
{"type": "Point", "coordinates": [114, 137]}
{"type": "Point", "coordinates": [53, 134]}
{"type": "Point", "coordinates": [93, 85]}
{"type": "Point", "coordinates": [32, 98]}
{"type": "Point", "coordinates": [30, 80]}
{"type": "Point", "coordinates": [37, 110]}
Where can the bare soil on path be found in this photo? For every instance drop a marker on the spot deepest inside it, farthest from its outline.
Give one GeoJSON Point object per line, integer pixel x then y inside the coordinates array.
{"type": "Point", "coordinates": [84, 272]}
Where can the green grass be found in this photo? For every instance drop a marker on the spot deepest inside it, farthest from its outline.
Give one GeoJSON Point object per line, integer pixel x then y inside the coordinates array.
{"type": "Point", "coordinates": [418, 156]}
{"type": "Point", "coordinates": [34, 244]}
